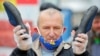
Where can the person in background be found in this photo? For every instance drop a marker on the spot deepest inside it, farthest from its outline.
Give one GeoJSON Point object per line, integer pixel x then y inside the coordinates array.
{"type": "Point", "coordinates": [49, 43]}
{"type": "Point", "coordinates": [94, 37]}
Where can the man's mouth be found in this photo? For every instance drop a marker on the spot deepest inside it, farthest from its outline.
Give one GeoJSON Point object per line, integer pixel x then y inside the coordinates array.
{"type": "Point", "coordinates": [52, 42]}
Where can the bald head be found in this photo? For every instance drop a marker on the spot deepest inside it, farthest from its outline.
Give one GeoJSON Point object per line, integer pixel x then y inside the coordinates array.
{"type": "Point", "coordinates": [50, 14]}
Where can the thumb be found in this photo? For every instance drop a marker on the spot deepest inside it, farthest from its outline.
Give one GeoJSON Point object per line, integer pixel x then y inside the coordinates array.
{"type": "Point", "coordinates": [70, 40]}
{"type": "Point", "coordinates": [72, 36]}
{"type": "Point", "coordinates": [73, 33]}
{"type": "Point", "coordinates": [28, 27]}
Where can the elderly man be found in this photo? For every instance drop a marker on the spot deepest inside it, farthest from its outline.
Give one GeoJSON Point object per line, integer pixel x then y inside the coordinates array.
{"type": "Point", "coordinates": [49, 43]}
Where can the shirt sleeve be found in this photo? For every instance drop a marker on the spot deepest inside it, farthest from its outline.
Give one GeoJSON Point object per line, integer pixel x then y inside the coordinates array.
{"type": "Point", "coordinates": [18, 52]}
{"type": "Point", "coordinates": [84, 54]}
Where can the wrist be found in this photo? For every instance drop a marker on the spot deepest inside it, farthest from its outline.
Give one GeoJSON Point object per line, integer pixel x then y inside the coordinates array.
{"type": "Point", "coordinates": [79, 52]}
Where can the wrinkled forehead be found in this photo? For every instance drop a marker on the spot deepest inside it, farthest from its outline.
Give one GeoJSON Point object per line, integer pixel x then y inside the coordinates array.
{"type": "Point", "coordinates": [50, 12]}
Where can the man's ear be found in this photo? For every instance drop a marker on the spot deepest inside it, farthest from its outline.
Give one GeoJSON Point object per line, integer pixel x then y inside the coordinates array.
{"type": "Point", "coordinates": [64, 29]}
{"type": "Point", "coordinates": [35, 29]}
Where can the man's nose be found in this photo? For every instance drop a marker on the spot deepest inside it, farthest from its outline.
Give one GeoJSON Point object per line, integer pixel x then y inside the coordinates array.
{"type": "Point", "coordinates": [51, 34]}
{"type": "Point", "coordinates": [99, 24]}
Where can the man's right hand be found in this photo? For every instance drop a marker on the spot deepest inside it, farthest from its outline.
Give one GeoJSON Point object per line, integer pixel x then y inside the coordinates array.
{"type": "Point", "coordinates": [19, 35]}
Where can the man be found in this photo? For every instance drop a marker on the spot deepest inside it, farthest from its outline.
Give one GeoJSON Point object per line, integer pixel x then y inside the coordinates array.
{"type": "Point", "coordinates": [49, 43]}
{"type": "Point", "coordinates": [94, 37]}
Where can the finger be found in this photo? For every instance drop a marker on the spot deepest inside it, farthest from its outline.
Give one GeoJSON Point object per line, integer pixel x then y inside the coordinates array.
{"type": "Point", "coordinates": [83, 36]}
{"type": "Point", "coordinates": [73, 33]}
{"type": "Point", "coordinates": [28, 27]}
{"type": "Point", "coordinates": [20, 32]}
{"type": "Point", "coordinates": [70, 40]}
{"type": "Point", "coordinates": [24, 36]}
{"type": "Point", "coordinates": [17, 28]}
{"type": "Point", "coordinates": [81, 40]}
{"type": "Point", "coordinates": [78, 44]}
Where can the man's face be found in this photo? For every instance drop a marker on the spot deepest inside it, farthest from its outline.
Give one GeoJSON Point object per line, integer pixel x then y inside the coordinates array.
{"type": "Point", "coordinates": [96, 24]}
{"type": "Point", "coordinates": [50, 26]}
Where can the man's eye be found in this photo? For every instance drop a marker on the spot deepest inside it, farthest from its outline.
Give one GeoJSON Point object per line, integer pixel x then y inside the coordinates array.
{"type": "Point", "coordinates": [57, 28]}
{"type": "Point", "coordinates": [96, 22]}
{"type": "Point", "coordinates": [45, 27]}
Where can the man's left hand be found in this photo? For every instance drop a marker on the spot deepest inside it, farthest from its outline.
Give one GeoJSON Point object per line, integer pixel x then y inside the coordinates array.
{"type": "Point", "coordinates": [80, 43]}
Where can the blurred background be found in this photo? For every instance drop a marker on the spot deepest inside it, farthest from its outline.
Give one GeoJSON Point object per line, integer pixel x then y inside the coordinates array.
{"type": "Point", "coordinates": [29, 10]}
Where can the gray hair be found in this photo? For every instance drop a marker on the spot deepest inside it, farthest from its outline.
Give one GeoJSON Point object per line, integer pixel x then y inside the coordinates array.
{"type": "Point", "coordinates": [51, 11]}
